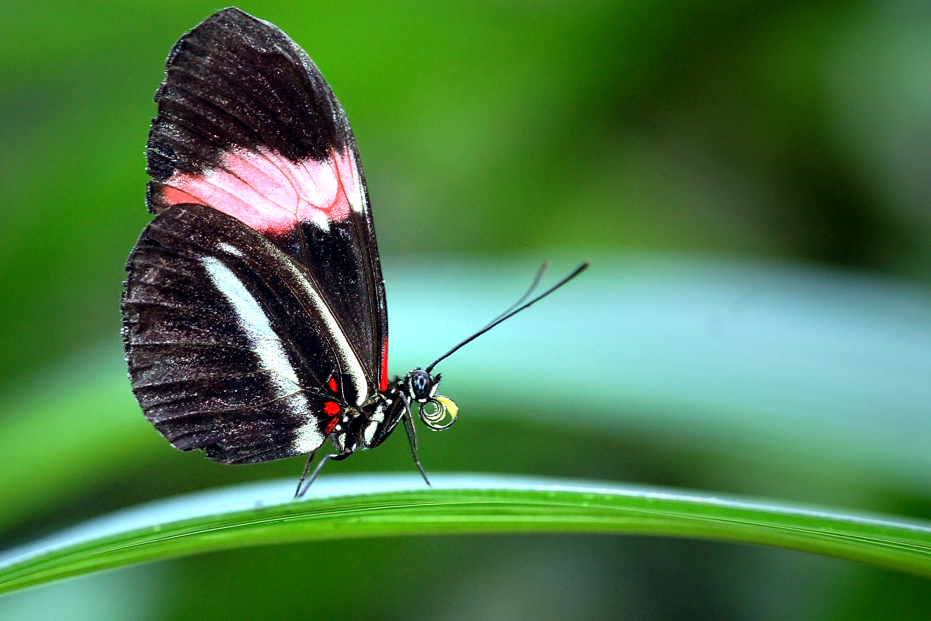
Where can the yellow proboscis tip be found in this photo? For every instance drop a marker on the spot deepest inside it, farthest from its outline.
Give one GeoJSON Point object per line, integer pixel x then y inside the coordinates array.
{"type": "Point", "coordinates": [450, 406]}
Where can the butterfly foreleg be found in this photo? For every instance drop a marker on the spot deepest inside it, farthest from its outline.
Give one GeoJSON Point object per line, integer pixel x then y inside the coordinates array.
{"type": "Point", "coordinates": [310, 479]}
{"type": "Point", "coordinates": [412, 435]}
{"type": "Point", "coordinates": [310, 458]}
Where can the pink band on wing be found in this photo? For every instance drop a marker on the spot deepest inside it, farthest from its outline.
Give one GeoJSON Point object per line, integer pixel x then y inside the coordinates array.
{"type": "Point", "coordinates": [269, 193]}
{"type": "Point", "coordinates": [174, 196]}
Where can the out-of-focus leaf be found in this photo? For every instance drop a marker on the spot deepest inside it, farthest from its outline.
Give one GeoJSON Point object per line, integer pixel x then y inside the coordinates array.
{"type": "Point", "coordinates": [66, 432]}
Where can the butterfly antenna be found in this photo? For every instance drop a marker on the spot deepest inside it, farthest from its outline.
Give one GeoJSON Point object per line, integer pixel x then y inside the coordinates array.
{"type": "Point", "coordinates": [533, 286]}
{"type": "Point", "coordinates": [510, 313]}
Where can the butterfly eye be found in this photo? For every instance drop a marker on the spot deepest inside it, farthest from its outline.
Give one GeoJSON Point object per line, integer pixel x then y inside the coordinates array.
{"type": "Point", "coordinates": [439, 413]}
{"type": "Point", "coordinates": [421, 385]}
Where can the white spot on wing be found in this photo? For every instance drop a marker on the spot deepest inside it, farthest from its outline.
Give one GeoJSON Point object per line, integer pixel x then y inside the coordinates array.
{"type": "Point", "coordinates": [308, 437]}
{"type": "Point", "coordinates": [233, 250]}
{"type": "Point", "coordinates": [320, 220]}
{"type": "Point", "coordinates": [357, 198]}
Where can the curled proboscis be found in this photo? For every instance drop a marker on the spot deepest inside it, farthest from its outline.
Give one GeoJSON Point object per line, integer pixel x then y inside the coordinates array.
{"type": "Point", "coordinates": [439, 413]}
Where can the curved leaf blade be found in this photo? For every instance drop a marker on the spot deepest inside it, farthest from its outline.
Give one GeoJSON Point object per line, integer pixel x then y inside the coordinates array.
{"type": "Point", "coordinates": [391, 505]}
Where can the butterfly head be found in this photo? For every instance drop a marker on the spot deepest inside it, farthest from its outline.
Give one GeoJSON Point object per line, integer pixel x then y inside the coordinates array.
{"type": "Point", "coordinates": [436, 411]}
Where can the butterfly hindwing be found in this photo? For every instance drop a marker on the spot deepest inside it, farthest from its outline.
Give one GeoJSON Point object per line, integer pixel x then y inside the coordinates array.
{"type": "Point", "coordinates": [229, 347]}
{"type": "Point", "coordinates": [247, 126]}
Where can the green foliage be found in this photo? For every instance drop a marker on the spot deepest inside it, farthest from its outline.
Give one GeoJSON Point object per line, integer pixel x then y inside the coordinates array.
{"type": "Point", "coordinates": [373, 506]}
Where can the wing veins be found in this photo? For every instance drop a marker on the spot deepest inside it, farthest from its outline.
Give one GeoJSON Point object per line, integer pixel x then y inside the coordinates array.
{"type": "Point", "coordinates": [218, 410]}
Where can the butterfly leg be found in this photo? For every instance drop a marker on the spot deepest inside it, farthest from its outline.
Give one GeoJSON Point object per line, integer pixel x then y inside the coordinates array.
{"type": "Point", "coordinates": [310, 458]}
{"type": "Point", "coordinates": [412, 436]}
{"type": "Point", "coordinates": [310, 479]}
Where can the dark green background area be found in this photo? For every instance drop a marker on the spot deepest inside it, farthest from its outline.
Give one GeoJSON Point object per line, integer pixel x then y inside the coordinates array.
{"type": "Point", "coordinates": [796, 132]}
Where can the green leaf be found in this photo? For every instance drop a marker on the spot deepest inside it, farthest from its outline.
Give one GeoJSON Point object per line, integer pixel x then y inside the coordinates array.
{"type": "Point", "coordinates": [388, 505]}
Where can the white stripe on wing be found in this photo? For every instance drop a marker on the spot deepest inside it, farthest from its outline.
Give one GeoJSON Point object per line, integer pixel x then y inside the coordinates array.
{"type": "Point", "coordinates": [267, 346]}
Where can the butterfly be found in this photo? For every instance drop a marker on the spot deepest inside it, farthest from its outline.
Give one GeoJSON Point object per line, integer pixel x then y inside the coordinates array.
{"type": "Point", "coordinates": [255, 325]}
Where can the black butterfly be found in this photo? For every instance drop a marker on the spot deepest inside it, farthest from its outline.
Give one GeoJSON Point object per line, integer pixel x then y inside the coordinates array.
{"type": "Point", "coordinates": [254, 317]}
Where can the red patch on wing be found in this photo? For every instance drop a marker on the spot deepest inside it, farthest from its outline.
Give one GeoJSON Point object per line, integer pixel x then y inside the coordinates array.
{"type": "Point", "coordinates": [331, 409]}
{"type": "Point", "coordinates": [332, 384]}
{"type": "Point", "coordinates": [269, 193]}
{"type": "Point", "coordinates": [383, 384]}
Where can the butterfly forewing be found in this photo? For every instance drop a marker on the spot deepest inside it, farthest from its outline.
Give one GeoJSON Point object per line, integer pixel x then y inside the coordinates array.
{"type": "Point", "coordinates": [247, 125]}
{"type": "Point", "coordinates": [255, 309]}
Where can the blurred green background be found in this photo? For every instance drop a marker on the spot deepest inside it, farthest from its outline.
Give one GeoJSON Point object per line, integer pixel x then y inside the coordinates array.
{"type": "Point", "coordinates": [752, 181]}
